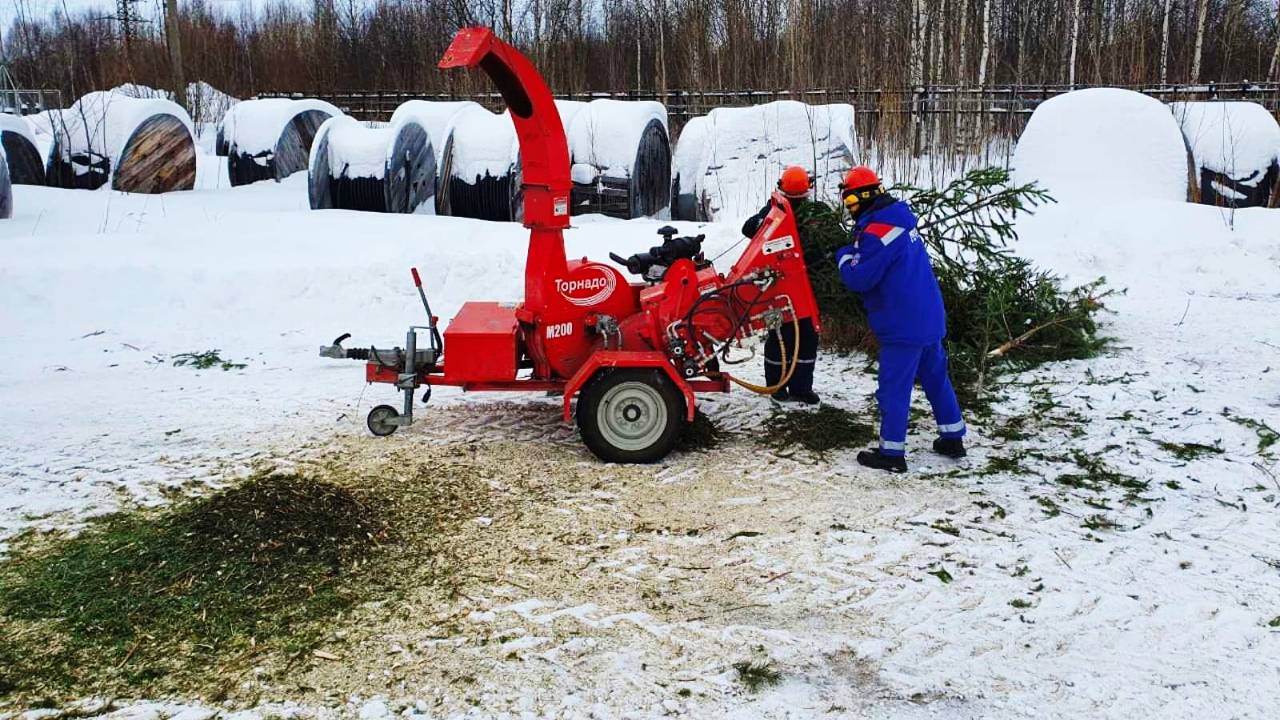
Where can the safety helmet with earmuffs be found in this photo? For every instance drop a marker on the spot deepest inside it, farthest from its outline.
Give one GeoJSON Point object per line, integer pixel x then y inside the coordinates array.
{"type": "Point", "coordinates": [860, 186]}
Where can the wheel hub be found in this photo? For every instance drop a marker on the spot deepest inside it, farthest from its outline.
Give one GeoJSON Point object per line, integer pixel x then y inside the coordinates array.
{"type": "Point", "coordinates": [632, 416]}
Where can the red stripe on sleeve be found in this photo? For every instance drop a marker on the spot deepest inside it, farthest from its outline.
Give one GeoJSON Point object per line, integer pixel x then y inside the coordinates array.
{"type": "Point", "coordinates": [879, 229]}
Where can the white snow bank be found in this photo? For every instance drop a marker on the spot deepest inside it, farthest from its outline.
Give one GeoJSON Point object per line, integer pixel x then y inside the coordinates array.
{"type": "Point", "coordinates": [606, 133]}
{"type": "Point", "coordinates": [484, 143]}
{"type": "Point", "coordinates": [101, 123]}
{"type": "Point", "coordinates": [254, 126]}
{"type": "Point", "coordinates": [1237, 139]}
{"type": "Point", "coordinates": [742, 151]}
{"type": "Point", "coordinates": [1103, 141]}
{"type": "Point", "coordinates": [354, 150]}
{"type": "Point", "coordinates": [434, 117]}
{"type": "Point", "coordinates": [17, 124]}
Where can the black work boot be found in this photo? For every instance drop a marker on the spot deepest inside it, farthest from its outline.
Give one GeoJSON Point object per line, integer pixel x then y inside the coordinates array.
{"type": "Point", "coordinates": [781, 396]}
{"type": "Point", "coordinates": [808, 397]}
{"type": "Point", "coordinates": [950, 447]}
{"type": "Point", "coordinates": [875, 459]}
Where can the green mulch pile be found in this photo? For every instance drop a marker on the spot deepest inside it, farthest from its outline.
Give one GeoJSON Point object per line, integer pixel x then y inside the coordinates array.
{"type": "Point", "coordinates": [1002, 312]}
{"type": "Point", "coordinates": [185, 598]}
{"type": "Point", "coordinates": [818, 431]}
{"type": "Point", "coordinates": [701, 434]}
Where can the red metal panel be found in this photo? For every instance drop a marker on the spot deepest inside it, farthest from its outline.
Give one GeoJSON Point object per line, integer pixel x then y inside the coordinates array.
{"type": "Point", "coordinates": [481, 344]}
{"type": "Point", "coordinates": [375, 373]}
{"type": "Point", "coordinates": [626, 359]}
{"type": "Point", "coordinates": [777, 245]}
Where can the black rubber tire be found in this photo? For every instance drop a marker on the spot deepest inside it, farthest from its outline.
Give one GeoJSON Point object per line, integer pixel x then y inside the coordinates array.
{"type": "Point", "coordinates": [375, 420]}
{"type": "Point", "coordinates": [667, 425]}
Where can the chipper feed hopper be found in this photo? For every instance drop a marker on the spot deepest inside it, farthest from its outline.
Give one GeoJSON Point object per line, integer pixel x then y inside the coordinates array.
{"type": "Point", "coordinates": [633, 354]}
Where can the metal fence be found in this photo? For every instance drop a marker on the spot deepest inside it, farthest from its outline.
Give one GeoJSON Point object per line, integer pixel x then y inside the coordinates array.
{"type": "Point", "coordinates": [684, 104]}
{"type": "Point", "coordinates": [954, 125]}
{"type": "Point", "coordinates": [29, 102]}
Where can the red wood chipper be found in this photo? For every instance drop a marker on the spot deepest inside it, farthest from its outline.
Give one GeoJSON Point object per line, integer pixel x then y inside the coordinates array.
{"type": "Point", "coordinates": [633, 353]}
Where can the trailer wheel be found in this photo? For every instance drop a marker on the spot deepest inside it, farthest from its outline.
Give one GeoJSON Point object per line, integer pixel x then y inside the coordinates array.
{"type": "Point", "coordinates": [630, 416]}
{"type": "Point", "coordinates": [379, 420]}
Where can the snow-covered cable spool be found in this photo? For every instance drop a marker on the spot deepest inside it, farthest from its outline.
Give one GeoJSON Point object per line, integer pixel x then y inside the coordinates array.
{"type": "Point", "coordinates": [271, 139]}
{"type": "Point", "coordinates": [1103, 142]}
{"type": "Point", "coordinates": [744, 150]}
{"type": "Point", "coordinates": [1235, 149]}
{"type": "Point", "coordinates": [621, 157]}
{"type": "Point", "coordinates": [6, 189]}
{"type": "Point", "coordinates": [140, 145]}
{"type": "Point", "coordinates": [437, 119]}
{"type": "Point", "coordinates": [685, 203]}
{"type": "Point", "coordinates": [387, 169]}
{"type": "Point", "coordinates": [479, 167]}
{"type": "Point", "coordinates": [25, 162]}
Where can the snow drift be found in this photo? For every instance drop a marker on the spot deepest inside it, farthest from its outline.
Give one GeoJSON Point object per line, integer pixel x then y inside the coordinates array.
{"type": "Point", "coordinates": [140, 145]}
{"type": "Point", "coordinates": [621, 156]}
{"type": "Point", "coordinates": [25, 161]}
{"type": "Point", "coordinates": [270, 139]}
{"type": "Point", "coordinates": [1103, 141]}
{"type": "Point", "coordinates": [740, 152]}
{"type": "Point", "coordinates": [382, 169]}
{"type": "Point", "coordinates": [1235, 147]}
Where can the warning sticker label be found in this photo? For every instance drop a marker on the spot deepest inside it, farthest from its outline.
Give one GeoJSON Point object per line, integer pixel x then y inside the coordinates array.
{"type": "Point", "coordinates": [776, 245]}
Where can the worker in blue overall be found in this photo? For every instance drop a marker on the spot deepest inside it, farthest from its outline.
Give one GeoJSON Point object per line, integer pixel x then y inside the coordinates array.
{"type": "Point", "coordinates": [887, 265]}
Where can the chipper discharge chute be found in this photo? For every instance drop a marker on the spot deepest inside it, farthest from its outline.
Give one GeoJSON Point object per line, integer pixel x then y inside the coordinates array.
{"type": "Point", "coordinates": [633, 354]}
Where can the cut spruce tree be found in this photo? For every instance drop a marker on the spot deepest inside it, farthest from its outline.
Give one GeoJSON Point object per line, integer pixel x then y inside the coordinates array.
{"type": "Point", "coordinates": [1002, 311]}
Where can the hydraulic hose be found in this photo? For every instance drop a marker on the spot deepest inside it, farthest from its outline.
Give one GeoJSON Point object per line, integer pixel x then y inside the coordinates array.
{"type": "Point", "coordinates": [790, 367]}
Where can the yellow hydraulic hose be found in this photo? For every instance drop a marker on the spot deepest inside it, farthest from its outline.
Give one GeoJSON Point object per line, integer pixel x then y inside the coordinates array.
{"type": "Point", "coordinates": [791, 368]}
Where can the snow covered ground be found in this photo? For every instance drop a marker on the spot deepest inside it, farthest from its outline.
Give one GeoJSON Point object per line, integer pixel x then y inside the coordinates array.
{"type": "Point", "coordinates": [1163, 610]}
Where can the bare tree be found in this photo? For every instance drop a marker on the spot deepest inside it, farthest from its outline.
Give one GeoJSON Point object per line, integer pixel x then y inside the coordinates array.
{"type": "Point", "coordinates": [1075, 41]}
{"type": "Point", "coordinates": [1273, 72]}
{"type": "Point", "coordinates": [919, 21]}
{"type": "Point", "coordinates": [326, 45]}
{"type": "Point", "coordinates": [174, 38]}
{"type": "Point", "coordinates": [1201, 13]}
{"type": "Point", "coordinates": [985, 46]}
{"type": "Point", "coordinates": [1164, 43]}
{"type": "Point", "coordinates": [936, 15]}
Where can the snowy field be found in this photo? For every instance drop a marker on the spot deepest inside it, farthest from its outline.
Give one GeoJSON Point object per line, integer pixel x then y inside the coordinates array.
{"type": "Point", "coordinates": [1166, 610]}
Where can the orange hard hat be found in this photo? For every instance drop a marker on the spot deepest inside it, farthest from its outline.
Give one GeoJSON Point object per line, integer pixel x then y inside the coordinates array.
{"type": "Point", "coordinates": [794, 181]}
{"type": "Point", "coordinates": [859, 178]}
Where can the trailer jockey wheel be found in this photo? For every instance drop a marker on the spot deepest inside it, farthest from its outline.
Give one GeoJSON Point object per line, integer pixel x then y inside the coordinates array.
{"type": "Point", "coordinates": [630, 416]}
{"type": "Point", "coordinates": [379, 420]}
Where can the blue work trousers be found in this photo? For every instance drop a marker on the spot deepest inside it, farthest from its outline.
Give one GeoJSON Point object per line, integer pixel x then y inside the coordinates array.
{"type": "Point", "coordinates": [900, 367]}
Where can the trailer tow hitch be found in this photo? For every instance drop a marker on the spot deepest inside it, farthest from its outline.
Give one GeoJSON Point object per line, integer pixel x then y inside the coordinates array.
{"type": "Point", "coordinates": [411, 365]}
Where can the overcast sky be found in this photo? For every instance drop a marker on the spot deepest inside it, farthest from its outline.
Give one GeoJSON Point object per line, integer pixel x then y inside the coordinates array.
{"type": "Point", "coordinates": [148, 9]}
